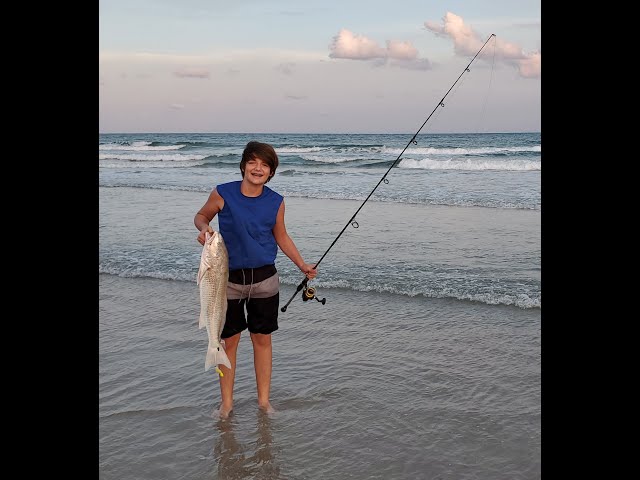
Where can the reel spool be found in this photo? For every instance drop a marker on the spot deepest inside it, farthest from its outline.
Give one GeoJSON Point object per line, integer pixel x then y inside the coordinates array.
{"type": "Point", "coordinates": [309, 293]}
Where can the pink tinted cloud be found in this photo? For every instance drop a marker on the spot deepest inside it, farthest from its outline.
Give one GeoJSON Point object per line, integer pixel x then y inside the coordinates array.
{"type": "Point", "coordinates": [401, 50]}
{"type": "Point", "coordinates": [352, 46]}
{"type": "Point", "coordinates": [467, 42]}
{"type": "Point", "coordinates": [355, 47]}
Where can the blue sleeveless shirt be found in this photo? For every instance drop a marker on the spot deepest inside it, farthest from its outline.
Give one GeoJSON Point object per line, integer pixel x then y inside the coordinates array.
{"type": "Point", "coordinates": [246, 225]}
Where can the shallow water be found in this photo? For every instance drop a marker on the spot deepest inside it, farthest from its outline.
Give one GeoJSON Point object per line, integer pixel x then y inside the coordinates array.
{"type": "Point", "coordinates": [373, 386]}
{"type": "Point", "coordinates": [423, 363]}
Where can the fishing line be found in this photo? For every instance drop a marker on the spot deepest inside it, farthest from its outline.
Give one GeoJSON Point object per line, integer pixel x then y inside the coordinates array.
{"type": "Point", "coordinates": [309, 293]}
{"type": "Point", "coordinates": [486, 98]}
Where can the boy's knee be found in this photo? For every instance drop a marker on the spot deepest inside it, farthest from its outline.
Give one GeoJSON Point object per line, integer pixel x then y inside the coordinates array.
{"type": "Point", "coordinates": [261, 339]}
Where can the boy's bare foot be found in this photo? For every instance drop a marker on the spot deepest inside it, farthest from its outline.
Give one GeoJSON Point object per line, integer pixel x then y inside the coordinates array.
{"type": "Point", "coordinates": [266, 407]}
{"type": "Point", "coordinates": [223, 412]}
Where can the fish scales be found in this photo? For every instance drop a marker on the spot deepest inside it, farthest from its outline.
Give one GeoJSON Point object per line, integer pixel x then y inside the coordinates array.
{"type": "Point", "coordinates": [213, 276]}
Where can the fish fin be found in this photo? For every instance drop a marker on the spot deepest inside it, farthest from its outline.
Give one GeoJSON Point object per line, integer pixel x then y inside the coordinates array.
{"type": "Point", "coordinates": [201, 271]}
{"type": "Point", "coordinates": [216, 356]}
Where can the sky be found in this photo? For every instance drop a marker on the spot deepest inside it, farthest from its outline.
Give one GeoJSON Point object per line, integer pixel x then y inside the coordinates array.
{"type": "Point", "coordinates": [307, 66]}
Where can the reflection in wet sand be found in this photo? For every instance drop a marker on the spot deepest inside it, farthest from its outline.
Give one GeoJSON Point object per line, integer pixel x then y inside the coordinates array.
{"type": "Point", "coordinates": [254, 458]}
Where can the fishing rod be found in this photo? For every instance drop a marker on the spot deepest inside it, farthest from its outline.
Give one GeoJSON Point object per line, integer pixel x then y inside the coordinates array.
{"type": "Point", "coordinates": [309, 293]}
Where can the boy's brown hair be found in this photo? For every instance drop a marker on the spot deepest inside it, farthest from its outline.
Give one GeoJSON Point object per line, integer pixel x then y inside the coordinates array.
{"type": "Point", "coordinates": [264, 152]}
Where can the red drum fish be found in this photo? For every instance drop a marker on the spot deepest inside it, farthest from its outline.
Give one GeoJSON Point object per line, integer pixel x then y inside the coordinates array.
{"type": "Point", "coordinates": [213, 276]}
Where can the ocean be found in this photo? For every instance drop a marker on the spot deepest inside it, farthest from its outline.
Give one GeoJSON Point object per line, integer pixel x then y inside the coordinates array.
{"type": "Point", "coordinates": [424, 361]}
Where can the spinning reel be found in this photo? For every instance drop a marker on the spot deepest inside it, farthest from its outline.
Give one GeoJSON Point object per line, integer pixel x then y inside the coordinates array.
{"type": "Point", "coordinates": [309, 293]}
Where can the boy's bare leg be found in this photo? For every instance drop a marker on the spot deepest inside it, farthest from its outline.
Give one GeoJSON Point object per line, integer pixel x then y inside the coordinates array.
{"type": "Point", "coordinates": [226, 381]}
{"type": "Point", "coordinates": [262, 357]}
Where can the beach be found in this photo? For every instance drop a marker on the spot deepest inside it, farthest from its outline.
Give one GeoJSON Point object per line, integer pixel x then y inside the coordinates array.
{"type": "Point", "coordinates": [424, 362]}
{"type": "Point", "coordinates": [365, 386]}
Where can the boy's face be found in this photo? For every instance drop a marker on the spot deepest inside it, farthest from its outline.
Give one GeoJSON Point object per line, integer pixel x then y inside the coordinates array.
{"type": "Point", "coordinates": [256, 171]}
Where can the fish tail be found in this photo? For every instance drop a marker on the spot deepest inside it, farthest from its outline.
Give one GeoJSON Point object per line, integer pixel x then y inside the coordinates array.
{"type": "Point", "coordinates": [216, 356]}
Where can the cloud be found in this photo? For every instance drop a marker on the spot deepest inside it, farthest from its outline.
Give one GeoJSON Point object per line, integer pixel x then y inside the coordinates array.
{"type": "Point", "coordinates": [176, 106]}
{"type": "Point", "coordinates": [530, 67]}
{"type": "Point", "coordinates": [354, 47]}
{"type": "Point", "coordinates": [467, 42]}
{"type": "Point", "coordinates": [401, 50]}
{"type": "Point", "coordinates": [191, 73]}
{"type": "Point", "coordinates": [348, 45]}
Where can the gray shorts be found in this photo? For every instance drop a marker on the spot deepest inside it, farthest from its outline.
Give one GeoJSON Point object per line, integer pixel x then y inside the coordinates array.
{"type": "Point", "coordinates": [260, 299]}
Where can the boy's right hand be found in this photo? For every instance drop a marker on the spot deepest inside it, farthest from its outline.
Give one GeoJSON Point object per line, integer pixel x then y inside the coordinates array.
{"type": "Point", "coordinates": [202, 235]}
